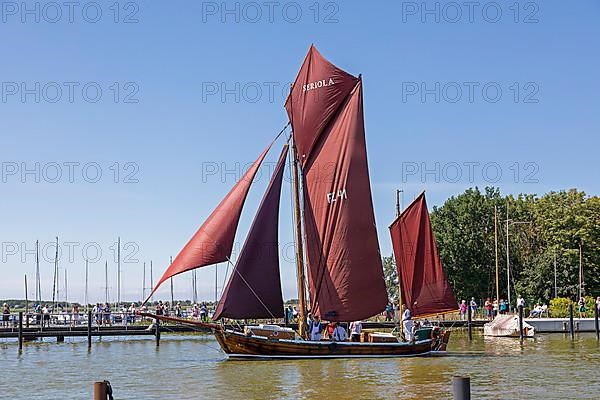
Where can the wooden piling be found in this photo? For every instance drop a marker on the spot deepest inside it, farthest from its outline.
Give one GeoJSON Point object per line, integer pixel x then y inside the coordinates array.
{"type": "Point", "coordinates": [20, 330]}
{"type": "Point", "coordinates": [571, 323]}
{"type": "Point", "coordinates": [157, 331]}
{"type": "Point", "coordinates": [596, 324]}
{"type": "Point", "coordinates": [469, 323]}
{"type": "Point", "coordinates": [461, 388]}
{"type": "Point", "coordinates": [521, 333]}
{"type": "Point", "coordinates": [100, 390]}
{"type": "Point", "coordinates": [89, 329]}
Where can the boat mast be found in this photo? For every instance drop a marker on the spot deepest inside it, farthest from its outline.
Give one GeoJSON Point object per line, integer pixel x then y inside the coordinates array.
{"type": "Point", "coordinates": [38, 284]}
{"type": "Point", "coordinates": [55, 284]}
{"type": "Point", "coordinates": [496, 246]}
{"type": "Point", "coordinates": [400, 305]}
{"type": "Point", "coordinates": [86, 286]}
{"type": "Point", "coordinates": [507, 258]}
{"type": "Point", "coordinates": [172, 297]}
{"type": "Point", "coordinates": [119, 271]}
{"type": "Point", "coordinates": [581, 284]}
{"type": "Point", "coordinates": [299, 247]}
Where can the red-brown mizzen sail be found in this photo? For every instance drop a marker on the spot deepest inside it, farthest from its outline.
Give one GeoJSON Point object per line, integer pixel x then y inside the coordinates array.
{"type": "Point", "coordinates": [345, 273]}
{"type": "Point", "coordinates": [254, 289]}
{"type": "Point", "coordinates": [316, 96]}
{"type": "Point", "coordinates": [424, 287]}
{"type": "Point", "coordinates": [213, 242]}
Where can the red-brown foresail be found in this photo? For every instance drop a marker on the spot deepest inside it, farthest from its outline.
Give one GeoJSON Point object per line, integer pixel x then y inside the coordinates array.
{"type": "Point", "coordinates": [213, 242]}
{"type": "Point", "coordinates": [254, 289]}
{"type": "Point", "coordinates": [345, 274]}
{"type": "Point", "coordinates": [424, 287]}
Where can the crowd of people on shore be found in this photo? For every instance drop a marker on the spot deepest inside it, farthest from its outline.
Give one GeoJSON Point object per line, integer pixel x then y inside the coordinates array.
{"type": "Point", "coordinates": [105, 314]}
{"type": "Point", "coordinates": [491, 308]}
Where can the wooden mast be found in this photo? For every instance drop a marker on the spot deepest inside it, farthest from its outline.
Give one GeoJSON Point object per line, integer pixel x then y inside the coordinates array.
{"type": "Point", "coordinates": [400, 305]}
{"type": "Point", "coordinates": [299, 247]}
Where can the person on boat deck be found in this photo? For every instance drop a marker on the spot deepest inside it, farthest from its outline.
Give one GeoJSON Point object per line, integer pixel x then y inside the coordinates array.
{"type": "Point", "coordinates": [203, 312]}
{"type": "Point", "coordinates": [389, 312]}
{"type": "Point", "coordinates": [329, 329]}
{"type": "Point", "coordinates": [159, 308]}
{"type": "Point", "coordinates": [289, 314]}
{"type": "Point", "coordinates": [315, 328]}
{"type": "Point", "coordinates": [339, 333]}
{"type": "Point", "coordinates": [355, 329]}
{"type": "Point", "coordinates": [407, 322]}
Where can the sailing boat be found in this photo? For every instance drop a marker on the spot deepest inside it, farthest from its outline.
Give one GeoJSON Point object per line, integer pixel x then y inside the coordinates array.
{"type": "Point", "coordinates": [335, 231]}
{"type": "Point", "coordinates": [504, 325]}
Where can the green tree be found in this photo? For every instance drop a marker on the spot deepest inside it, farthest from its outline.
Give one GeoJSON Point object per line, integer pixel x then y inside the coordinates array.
{"type": "Point", "coordinates": [391, 277]}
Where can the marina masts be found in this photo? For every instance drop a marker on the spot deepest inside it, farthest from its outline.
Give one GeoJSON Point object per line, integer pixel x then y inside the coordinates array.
{"type": "Point", "coordinates": [119, 270]}
{"type": "Point", "coordinates": [496, 249]}
{"type": "Point", "coordinates": [55, 281]}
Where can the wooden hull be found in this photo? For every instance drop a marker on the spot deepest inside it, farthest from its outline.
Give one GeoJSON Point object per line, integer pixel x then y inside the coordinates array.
{"type": "Point", "coordinates": [239, 346]}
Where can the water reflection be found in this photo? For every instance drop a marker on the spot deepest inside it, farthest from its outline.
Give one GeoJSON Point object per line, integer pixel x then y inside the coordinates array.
{"type": "Point", "coordinates": [191, 367]}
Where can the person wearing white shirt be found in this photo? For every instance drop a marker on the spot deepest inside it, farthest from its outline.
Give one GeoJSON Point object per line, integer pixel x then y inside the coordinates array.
{"type": "Point", "coordinates": [407, 323]}
{"type": "Point", "coordinates": [315, 329]}
{"type": "Point", "coordinates": [355, 329]}
{"type": "Point", "coordinates": [520, 302]}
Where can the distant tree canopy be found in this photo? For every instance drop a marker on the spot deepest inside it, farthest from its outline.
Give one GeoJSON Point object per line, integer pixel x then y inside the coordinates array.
{"type": "Point", "coordinates": [541, 230]}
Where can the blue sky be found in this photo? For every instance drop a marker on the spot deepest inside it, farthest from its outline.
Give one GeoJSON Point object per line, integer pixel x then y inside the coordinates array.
{"type": "Point", "coordinates": [164, 122]}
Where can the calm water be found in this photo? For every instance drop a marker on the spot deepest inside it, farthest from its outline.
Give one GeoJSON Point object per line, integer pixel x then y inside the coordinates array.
{"type": "Point", "coordinates": [191, 367]}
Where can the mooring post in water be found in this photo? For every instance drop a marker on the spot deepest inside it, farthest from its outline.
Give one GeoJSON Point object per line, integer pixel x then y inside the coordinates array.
{"type": "Point", "coordinates": [157, 331]}
{"type": "Point", "coordinates": [571, 323]}
{"type": "Point", "coordinates": [521, 336]}
{"type": "Point", "coordinates": [100, 390]}
{"type": "Point", "coordinates": [461, 388]}
{"type": "Point", "coordinates": [20, 330]}
{"type": "Point", "coordinates": [469, 323]}
{"type": "Point", "coordinates": [89, 328]}
{"type": "Point", "coordinates": [597, 325]}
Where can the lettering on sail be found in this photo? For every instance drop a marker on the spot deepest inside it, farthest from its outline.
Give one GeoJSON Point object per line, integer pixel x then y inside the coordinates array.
{"type": "Point", "coordinates": [318, 84]}
{"type": "Point", "coordinates": [334, 196]}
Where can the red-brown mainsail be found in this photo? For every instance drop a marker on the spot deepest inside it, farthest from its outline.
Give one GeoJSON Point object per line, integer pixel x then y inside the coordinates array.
{"type": "Point", "coordinates": [254, 289]}
{"type": "Point", "coordinates": [345, 274]}
{"type": "Point", "coordinates": [424, 287]}
{"type": "Point", "coordinates": [213, 242]}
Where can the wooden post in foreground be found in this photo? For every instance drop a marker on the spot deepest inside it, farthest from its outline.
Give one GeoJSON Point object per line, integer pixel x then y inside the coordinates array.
{"type": "Point", "coordinates": [461, 388]}
{"type": "Point", "coordinates": [89, 328]}
{"type": "Point", "coordinates": [157, 332]}
{"type": "Point", "coordinates": [469, 323]}
{"type": "Point", "coordinates": [100, 390]}
{"type": "Point", "coordinates": [521, 335]}
{"type": "Point", "coordinates": [596, 324]}
{"type": "Point", "coordinates": [20, 330]}
{"type": "Point", "coordinates": [571, 323]}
